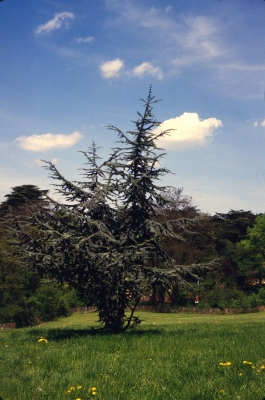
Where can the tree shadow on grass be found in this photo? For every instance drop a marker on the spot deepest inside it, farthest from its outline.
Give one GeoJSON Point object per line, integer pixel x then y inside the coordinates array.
{"type": "Point", "coordinates": [57, 334]}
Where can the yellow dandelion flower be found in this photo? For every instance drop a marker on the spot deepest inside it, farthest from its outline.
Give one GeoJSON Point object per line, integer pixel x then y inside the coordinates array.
{"type": "Point", "coordinates": [222, 391]}
{"type": "Point", "coordinates": [225, 364]}
{"type": "Point", "coordinates": [94, 393]}
{"type": "Point", "coordinates": [258, 370]}
{"type": "Point", "coordinates": [247, 362]}
{"type": "Point", "coordinates": [93, 388]}
{"type": "Point", "coordinates": [41, 339]}
{"type": "Point", "coordinates": [262, 367]}
{"type": "Point", "coordinates": [6, 345]}
{"type": "Point", "coordinates": [240, 374]}
{"type": "Point", "coordinates": [79, 387]}
{"type": "Point", "coordinates": [78, 398]}
{"type": "Point", "coordinates": [252, 366]}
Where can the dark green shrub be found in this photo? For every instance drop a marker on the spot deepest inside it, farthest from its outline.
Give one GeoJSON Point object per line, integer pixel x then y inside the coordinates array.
{"type": "Point", "coordinates": [13, 313]}
{"type": "Point", "coordinates": [71, 299]}
{"type": "Point", "coordinates": [222, 297]}
{"type": "Point", "coordinates": [255, 300]}
{"type": "Point", "coordinates": [49, 302]}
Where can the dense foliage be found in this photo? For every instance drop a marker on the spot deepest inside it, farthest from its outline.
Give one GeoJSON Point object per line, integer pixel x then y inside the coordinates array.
{"type": "Point", "coordinates": [24, 298]}
{"type": "Point", "coordinates": [236, 281]}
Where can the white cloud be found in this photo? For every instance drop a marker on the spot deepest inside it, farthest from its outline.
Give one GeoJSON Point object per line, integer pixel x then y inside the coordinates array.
{"type": "Point", "coordinates": [199, 41]}
{"type": "Point", "coordinates": [48, 141]}
{"type": "Point", "coordinates": [157, 21]}
{"type": "Point", "coordinates": [148, 68]}
{"type": "Point", "coordinates": [192, 38]}
{"type": "Point", "coordinates": [188, 130]}
{"type": "Point", "coordinates": [87, 39]}
{"type": "Point", "coordinates": [112, 68]}
{"type": "Point", "coordinates": [256, 123]}
{"type": "Point", "coordinates": [201, 36]}
{"type": "Point", "coordinates": [59, 20]}
{"type": "Point", "coordinates": [263, 123]}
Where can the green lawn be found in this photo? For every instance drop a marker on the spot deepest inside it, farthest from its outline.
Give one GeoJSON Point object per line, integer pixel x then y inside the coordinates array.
{"type": "Point", "coordinates": [169, 356]}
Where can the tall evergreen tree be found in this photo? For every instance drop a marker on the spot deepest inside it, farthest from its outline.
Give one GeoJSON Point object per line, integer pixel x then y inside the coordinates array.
{"type": "Point", "coordinates": [105, 240]}
{"type": "Point", "coordinates": [21, 196]}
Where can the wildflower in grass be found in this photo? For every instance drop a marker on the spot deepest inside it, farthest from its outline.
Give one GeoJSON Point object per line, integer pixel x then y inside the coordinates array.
{"type": "Point", "coordinates": [225, 364]}
{"type": "Point", "coordinates": [222, 391]}
{"type": "Point", "coordinates": [247, 362]}
{"type": "Point", "coordinates": [240, 374]}
{"type": "Point", "coordinates": [41, 339]}
{"type": "Point", "coordinates": [93, 390]}
{"type": "Point", "coordinates": [262, 367]}
{"type": "Point", "coordinates": [70, 390]}
{"type": "Point", "coordinates": [6, 345]}
{"type": "Point", "coordinates": [78, 398]}
{"type": "Point", "coordinates": [257, 370]}
{"type": "Point", "coordinates": [79, 387]}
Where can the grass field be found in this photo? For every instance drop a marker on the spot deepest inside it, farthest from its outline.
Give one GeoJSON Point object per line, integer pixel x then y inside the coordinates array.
{"type": "Point", "coordinates": [169, 356]}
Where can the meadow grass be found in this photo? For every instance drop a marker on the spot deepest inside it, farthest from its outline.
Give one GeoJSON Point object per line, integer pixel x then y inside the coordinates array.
{"type": "Point", "coordinates": [169, 356]}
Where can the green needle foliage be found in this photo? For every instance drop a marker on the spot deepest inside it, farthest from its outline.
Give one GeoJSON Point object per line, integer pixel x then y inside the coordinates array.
{"type": "Point", "coordinates": [105, 240]}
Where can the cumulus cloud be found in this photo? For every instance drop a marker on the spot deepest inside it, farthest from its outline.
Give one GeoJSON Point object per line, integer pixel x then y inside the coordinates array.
{"type": "Point", "coordinates": [149, 69]}
{"type": "Point", "coordinates": [48, 141]}
{"type": "Point", "coordinates": [60, 20]}
{"type": "Point", "coordinates": [112, 68]}
{"type": "Point", "coordinates": [87, 39]}
{"type": "Point", "coordinates": [187, 130]}
{"type": "Point", "coordinates": [263, 123]}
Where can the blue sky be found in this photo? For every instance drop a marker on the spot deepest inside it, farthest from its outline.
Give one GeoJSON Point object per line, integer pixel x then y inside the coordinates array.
{"type": "Point", "coordinates": [70, 68]}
